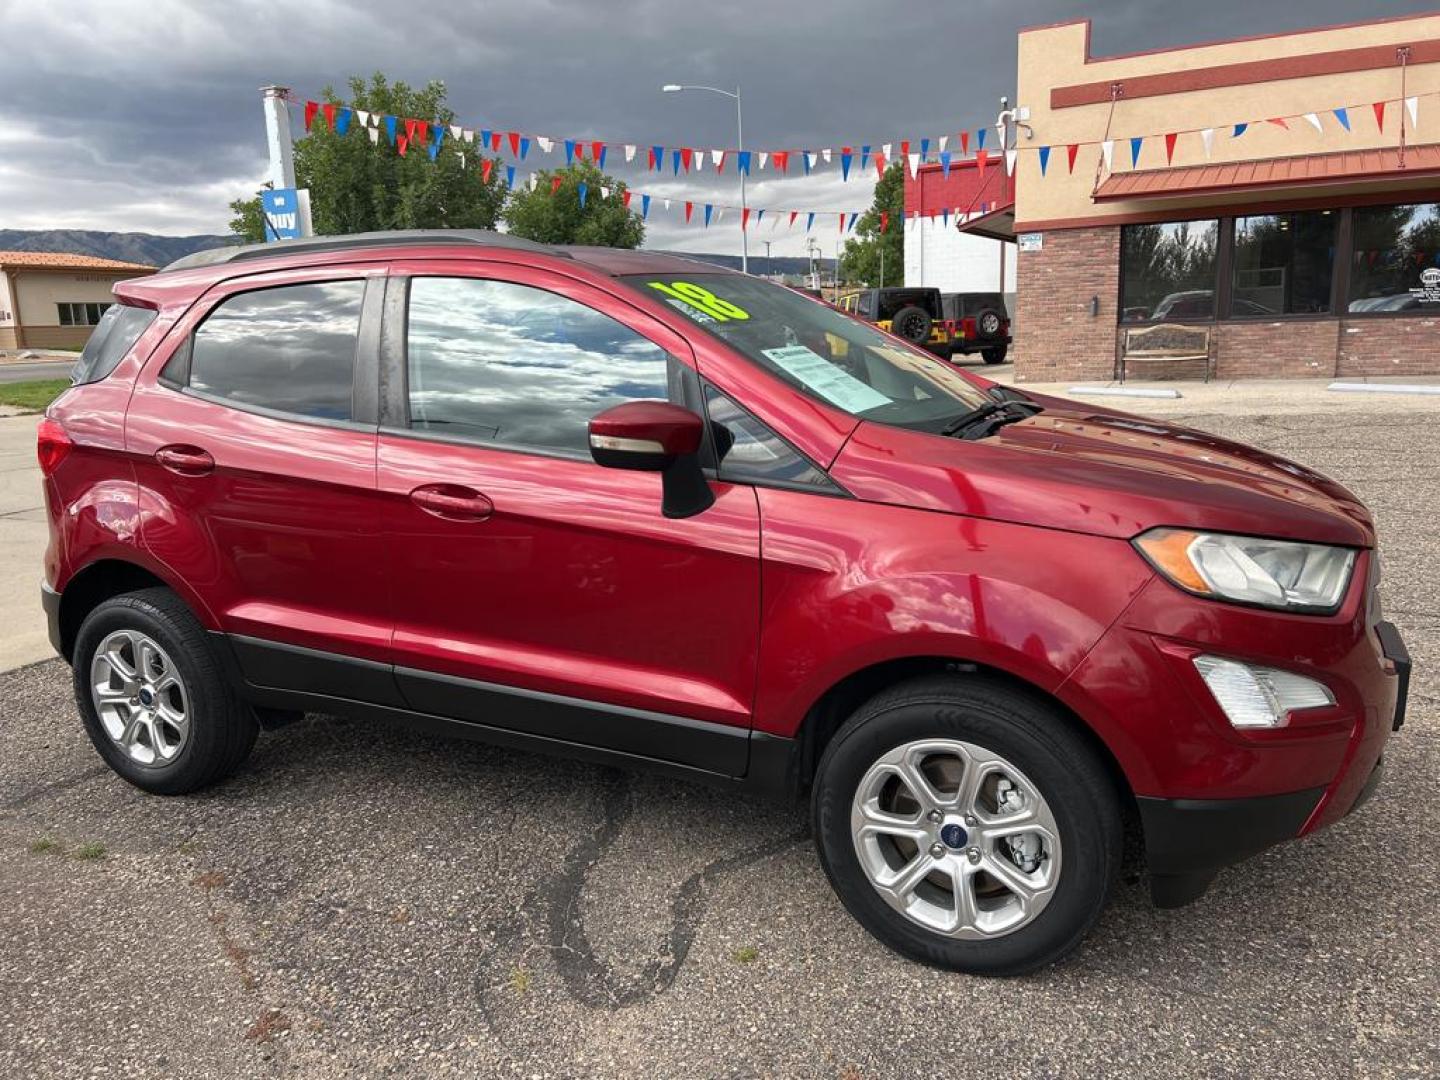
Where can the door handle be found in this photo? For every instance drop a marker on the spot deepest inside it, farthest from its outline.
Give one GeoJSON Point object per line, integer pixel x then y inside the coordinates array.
{"type": "Point", "coordinates": [452, 502]}
{"type": "Point", "coordinates": [185, 460]}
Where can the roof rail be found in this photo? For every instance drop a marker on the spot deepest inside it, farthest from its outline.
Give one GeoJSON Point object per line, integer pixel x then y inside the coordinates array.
{"type": "Point", "coordinates": [351, 241]}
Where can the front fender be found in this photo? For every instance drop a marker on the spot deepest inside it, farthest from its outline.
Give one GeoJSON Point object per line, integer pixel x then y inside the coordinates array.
{"type": "Point", "coordinates": [848, 585]}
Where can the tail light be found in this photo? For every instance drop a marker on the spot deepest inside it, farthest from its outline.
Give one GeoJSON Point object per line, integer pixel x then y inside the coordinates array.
{"type": "Point", "coordinates": [52, 445]}
{"type": "Point", "coordinates": [967, 328]}
{"type": "Point", "coordinates": [950, 327]}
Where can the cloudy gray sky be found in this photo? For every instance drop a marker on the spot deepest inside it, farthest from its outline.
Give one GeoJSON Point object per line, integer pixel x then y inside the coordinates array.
{"type": "Point", "coordinates": [144, 115]}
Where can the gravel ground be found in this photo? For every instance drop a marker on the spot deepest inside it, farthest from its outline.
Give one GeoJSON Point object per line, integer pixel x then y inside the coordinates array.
{"type": "Point", "coordinates": [362, 901]}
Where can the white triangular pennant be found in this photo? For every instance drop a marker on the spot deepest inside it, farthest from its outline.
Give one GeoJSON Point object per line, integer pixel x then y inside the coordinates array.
{"type": "Point", "coordinates": [667, 204]}
{"type": "Point", "coordinates": [944, 139]}
{"type": "Point", "coordinates": [886, 150]}
{"type": "Point", "coordinates": [1412, 106]}
{"type": "Point", "coordinates": [363, 117]}
{"type": "Point", "coordinates": [1010, 162]}
{"type": "Point", "coordinates": [374, 135]}
{"type": "Point", "coordinates": [545, 144]}
{"type": "Point", "coordinates": [534, 181]}
{"type": "Point", "coordinates": [1207, 136]}
{"type": "Point", "coordinates": [1107, 151]}
{"type": "Point", "coordinates": [811, 157]}
{"type": "Point", "coordinates": [456, 132]}
{"type": "Point", "coordinates": [1314, 121]}
{"type": "Point", "coordinates": [764, 157]}
{"type": "Point", "coordinates": [629, 152]}
{"type": "Point", "coordinates": [719, 215]}
{"type": "Point", "coordinates": [716, 156]}
{"type": "Point", "coordinates": [826, 155]}
{"type": "Point", "coordinates": [469, 135]}
{"type": "Point", "coordinates": [698, 160]}
{"type": "Point", "coordinates": [461, 156]}
{"type": "Point", "coordinates": [604, 192]}
{"type": "Point", "coordinates": [914, 160]}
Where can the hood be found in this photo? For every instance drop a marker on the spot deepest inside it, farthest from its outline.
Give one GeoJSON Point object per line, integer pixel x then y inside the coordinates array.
{"type": "Point", "coordinates": [1095, 471]}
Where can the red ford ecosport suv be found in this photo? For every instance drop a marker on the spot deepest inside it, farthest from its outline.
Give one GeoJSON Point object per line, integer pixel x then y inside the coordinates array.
{"type": "Point", "coordinates": [633, 508]}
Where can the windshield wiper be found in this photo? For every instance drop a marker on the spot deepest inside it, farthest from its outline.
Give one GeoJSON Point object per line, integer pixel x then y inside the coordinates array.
{"type": "Point", "coordinates": [983, 419]}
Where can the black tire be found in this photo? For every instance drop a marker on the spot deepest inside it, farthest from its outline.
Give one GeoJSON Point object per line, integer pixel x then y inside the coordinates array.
{"type": "Point", "coordinates": [222, 728]}
{"type": "Point", "coordinates": [995, 354]}
{"type": "Point", "coordinates": [989, 323]}
{"type": "Point", "coordinates": [1027, 731]}
{"type": "Point", "coordinates": [913, 324]}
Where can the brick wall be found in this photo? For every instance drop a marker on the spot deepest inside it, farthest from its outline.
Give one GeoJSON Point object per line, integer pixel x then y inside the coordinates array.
{"type": "Point", "coordinates": [1380, 346]}
{"type": "Point", "coordinates": [1057, 339]}
{"type": "Point", "coordinates": [1288, 349]}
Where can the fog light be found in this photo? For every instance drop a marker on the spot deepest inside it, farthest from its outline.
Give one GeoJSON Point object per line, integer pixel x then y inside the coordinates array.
{"type": "Point", "coordinates": [1260, 697]}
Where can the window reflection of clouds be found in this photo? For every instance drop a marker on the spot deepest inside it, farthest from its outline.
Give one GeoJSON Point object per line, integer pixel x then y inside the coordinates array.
{"type": "Point", "coordinates": [290, 348]}
{"type": "Point", "coordinates": [496, 360]}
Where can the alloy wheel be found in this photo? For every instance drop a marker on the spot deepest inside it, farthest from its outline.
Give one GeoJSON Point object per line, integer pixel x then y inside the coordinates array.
{"type": "Point", "coordinates": [956, 838]}
{"type": "Point", "coordinates": [140, 698]}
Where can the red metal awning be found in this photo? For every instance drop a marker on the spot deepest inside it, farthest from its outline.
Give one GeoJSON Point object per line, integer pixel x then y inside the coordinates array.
{"type": "Point", "coordinates": [1348, 167]}
{"type": "Point", "coordinates": [997, 224]}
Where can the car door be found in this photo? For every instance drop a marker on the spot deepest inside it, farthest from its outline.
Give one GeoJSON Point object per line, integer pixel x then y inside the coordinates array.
{"type": "Point", "coordinates": [253, 433]}
{"type": "Point", "coordinates": [535, 590]}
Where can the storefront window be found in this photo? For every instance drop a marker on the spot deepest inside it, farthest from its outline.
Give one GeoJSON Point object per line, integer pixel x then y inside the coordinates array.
{"type": "Point", "coordinates": [1168, 271]}
{"type": "Point", "coordinates": [1395, 263]}
{"type": "Point", "coordinates": [1283, 264]}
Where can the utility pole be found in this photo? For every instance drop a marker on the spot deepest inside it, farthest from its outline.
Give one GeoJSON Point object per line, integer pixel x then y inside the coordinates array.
{"type": "Point", "coordinates": [769, 272]}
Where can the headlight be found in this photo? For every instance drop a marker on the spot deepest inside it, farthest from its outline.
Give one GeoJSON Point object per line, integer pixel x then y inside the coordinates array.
{"type": "Point", "coordinates": [1280, 574]}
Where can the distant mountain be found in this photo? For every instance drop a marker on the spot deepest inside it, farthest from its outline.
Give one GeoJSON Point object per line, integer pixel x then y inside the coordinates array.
{"type": "Point", "coordinates": [127, 247]}
{"type": "Point", "coordinates": [158, 250]}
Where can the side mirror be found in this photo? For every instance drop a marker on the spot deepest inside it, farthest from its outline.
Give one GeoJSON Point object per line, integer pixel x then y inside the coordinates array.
{"type": "Point", "coordinates": [655, 436]}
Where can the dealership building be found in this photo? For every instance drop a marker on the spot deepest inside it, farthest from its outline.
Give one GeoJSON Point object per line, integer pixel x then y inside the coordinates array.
{"type": "Point", "coordinates": [1259, 207]}
{"type": "Point", "coordinates": [50, 300]}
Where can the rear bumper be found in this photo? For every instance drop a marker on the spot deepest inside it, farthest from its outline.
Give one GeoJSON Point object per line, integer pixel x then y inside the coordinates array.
{"type": "Point", "coordinates": [50, 601]}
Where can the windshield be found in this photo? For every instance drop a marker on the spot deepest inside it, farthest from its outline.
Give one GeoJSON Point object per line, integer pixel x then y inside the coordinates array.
{"type": "Point", "coordinates": [842, 361]}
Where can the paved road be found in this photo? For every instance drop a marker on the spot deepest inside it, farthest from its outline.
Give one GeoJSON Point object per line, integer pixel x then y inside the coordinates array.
{"type": "Point", "coordinates": [23, 371]}
{"type": "Point", "coordinates": [361, 901]}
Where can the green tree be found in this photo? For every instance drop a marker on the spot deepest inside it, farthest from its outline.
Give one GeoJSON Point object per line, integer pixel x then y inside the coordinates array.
{"type": "Point", "coordinates": [359, 186]}
{"type": "Point", "coordinates": [556, 217]}
{"type": "Point", "coordinates": [860, 259]}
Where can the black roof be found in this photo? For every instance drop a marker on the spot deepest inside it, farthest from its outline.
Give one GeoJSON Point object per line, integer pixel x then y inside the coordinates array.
{"type": "Point", "coordinates": [396, 238]}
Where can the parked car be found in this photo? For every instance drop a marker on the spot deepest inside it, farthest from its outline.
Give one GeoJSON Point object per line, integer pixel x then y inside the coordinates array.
{"type": "Point", "coordinates": [633, 508]}
{"type": "Point", "coordinates": [977, 322]}
{"type": "Point", "coordinates": [913, 314]}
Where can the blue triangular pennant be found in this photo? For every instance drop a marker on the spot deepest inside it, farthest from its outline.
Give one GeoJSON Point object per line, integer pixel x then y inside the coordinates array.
{"type": "Point", "coordinates": [708, 211]}
{"type": "Point", "coordinates": [675, 161]}
{"type": "Point", "coordinates": [569, 151]}
{"type": "Point", "coordinates": [342, 121]}
{"type": "Point", "coordinates": [1135, 144]}
{"type": "Point", "coordinates": [510, 176]}
{"type": "Point", "coordinates": [864, 157]}
{"type": "Point", "coordinates": [924, 148]}
{"type": "Point", "coordinates": [845, 160]}
{"type": "Point", "coordinates": [1239, 130]}
{"type": "Point", "coordinates": [945, 216]}
{"type": "Point", "coordinates": [390, 129]}
{"type": "Point", "coordinates": [805, 161]}
{"type": "Point", "coordinates": [1044, 159]}
{"type": "Point", "coordinates": [601, 161]}
{"type": "Point", "coordinates": [658, 152]}
{"type": "Point", "coordinates": [809, 220]}
{"type": "Point", "coordinates": [524, 146]}
{"type": "Point", "coordinates": [583, 189]}
{"type": "Point", "coordinates": [644, 207]}
{"type": "Point", "coordinates": [853, 218]}
{"type": "Point", "coordinates": [1343, 115]}
{"type": "Point", "coordinates": [980, 138]}
{"type": "Point", "coordinates": [759, 216]}
{"type": "Point", "coordinates": [945, 162]}
{"type": "Point", "coordinates": [742, 162]}
{"type": "Point", "coordinates": [484, 137]}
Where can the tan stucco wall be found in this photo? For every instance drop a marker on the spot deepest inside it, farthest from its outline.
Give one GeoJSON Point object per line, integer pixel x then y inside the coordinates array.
{"type": "Point", "coordinates": [1056, 56]}
{"type": "Point", "coordinates": [39, 293]}
{"type": "Point", "coordinates": [7, 305]}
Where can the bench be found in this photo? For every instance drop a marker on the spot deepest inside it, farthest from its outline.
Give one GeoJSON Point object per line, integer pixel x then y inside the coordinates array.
{"type": "Point", "coordinates": [1165, 342]}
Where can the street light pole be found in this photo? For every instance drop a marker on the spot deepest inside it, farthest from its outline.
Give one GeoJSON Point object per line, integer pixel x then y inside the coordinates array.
{"type": "Point", "coordinates": [675, 88]}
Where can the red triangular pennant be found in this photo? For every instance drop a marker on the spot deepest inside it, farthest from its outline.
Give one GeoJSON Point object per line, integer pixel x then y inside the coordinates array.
{"type": "Point", "coordinates": [880, 164]}
{"type": "Point", "coordinates": [884, 220]}
{"type": "Point", "coordinates": [596, 149]}
{"type": "Point", "coordinates": [402, 142]}
{"type": "Point", "coordinates": [625, 198]}
{"type": "Point", "coordinates": [781, 159]}
{"type": "Point", "coordinates": [311, 108]}
{"type": "Point", "coordinates": [744, 218]}
{"type": "Point", "coordinates": [329, 110]}
{"type": "Point", "coordinates": [514, 144]}
{"type": "Point", "coordinates": [793, 215]}
{"type": "Point", "coordinates": [422, 131]}
{"type": "Point", "coordinates": [1379, 108]}
{"type": "Point", "coordinates": [554, 184]}
{"type": "Point", "coordinates": [904, 148]}
{"type": "Point", "coordinates": [1070, 152]}
{"type": "Point", "coordinates": [650, 158]}
{"type": "Point", "coordinates": [964, 142]}
{"type": "Point", "coordinates": [686, 156]}
{"type": "Point", "coordinates": [1170, 138]}
{"type": "Point", "coordinates": [981, 157]}
{"type": "Point", "coordinates": [1280, 122]}
{"type": "Point", "coordinates": [486, 166]}
{"type": "Point", "coordinates": [689, 209]}
{"type": "Point", "coordinates": [495, 137]}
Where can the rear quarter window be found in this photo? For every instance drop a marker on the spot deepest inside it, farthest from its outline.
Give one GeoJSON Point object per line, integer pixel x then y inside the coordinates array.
{"type": "Point", "coordinates": [114, 336]}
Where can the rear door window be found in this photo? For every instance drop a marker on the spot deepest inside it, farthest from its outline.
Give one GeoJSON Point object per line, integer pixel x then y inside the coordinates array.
{"type": "Point", "coordinates": [114, 336]}
{"type": "Point", "coordinates": [290, 349]}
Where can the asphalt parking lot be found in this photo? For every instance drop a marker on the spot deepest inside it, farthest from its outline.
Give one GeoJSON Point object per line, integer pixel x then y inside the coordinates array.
{"type": "Point", "coordinates": [363, 901]}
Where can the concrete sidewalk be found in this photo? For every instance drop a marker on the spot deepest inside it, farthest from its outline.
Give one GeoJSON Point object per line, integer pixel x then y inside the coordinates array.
{"type": "Point", "coordinates": [22, 545]}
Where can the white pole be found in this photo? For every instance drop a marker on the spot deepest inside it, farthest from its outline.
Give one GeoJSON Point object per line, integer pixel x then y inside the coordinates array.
{"type": "Point", "coordinates": [744, 233]}
{"type": "Point", "coordinates": [277, 137]}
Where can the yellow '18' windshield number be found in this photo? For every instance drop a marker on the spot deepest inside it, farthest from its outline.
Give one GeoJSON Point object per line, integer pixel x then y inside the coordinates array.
{"type": "Point", "coordinates": [702, 299]}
